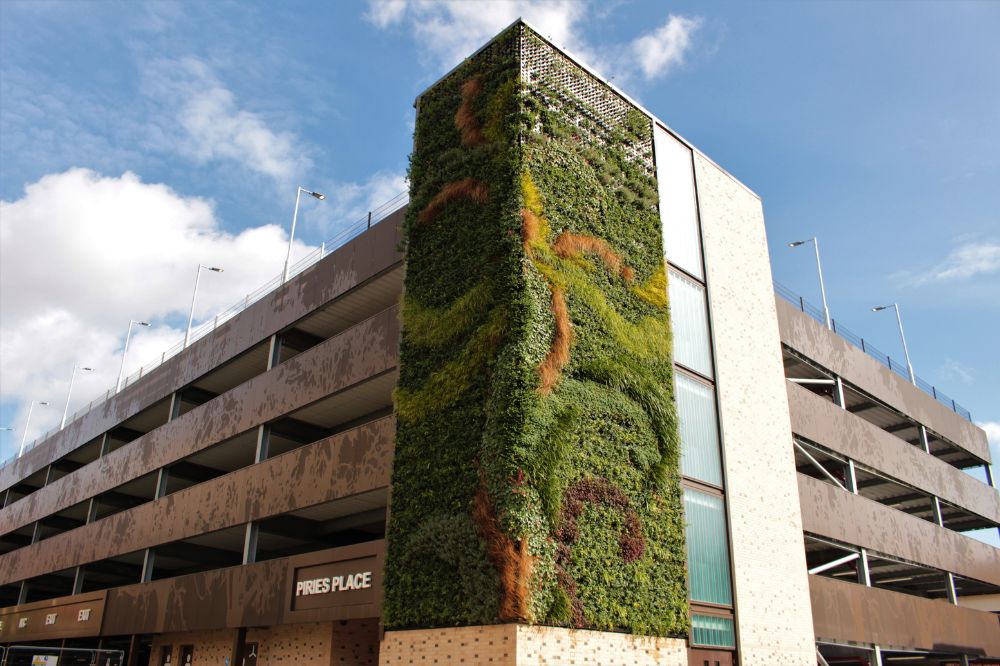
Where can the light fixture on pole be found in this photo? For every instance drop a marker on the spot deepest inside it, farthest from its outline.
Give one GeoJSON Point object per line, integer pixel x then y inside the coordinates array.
{"type": "Point", "coordinates": [295, 217]}
{"type": "Point", "coordinates": [128, 336]}
{"type": "Point", "coordinates": [72, 377]}
{"type": "Point", "coordinates": [819, 269]}
{"type": "Point", "coordinates": [902, 336]}
{"type": "Point", "coordinates": [27, 422]}
{"type": "Point", "coordinates": [194, 297]}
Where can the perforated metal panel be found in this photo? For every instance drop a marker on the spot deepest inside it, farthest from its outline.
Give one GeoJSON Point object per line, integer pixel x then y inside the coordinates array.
{"type": "Point", "coordinates": [562, 84]}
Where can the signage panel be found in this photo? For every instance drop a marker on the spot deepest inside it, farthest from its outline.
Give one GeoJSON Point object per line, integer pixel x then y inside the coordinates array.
{"type": "Point", "coordinates": [343, 583]}
{"type": "Point", "coordinates": [66, 617]}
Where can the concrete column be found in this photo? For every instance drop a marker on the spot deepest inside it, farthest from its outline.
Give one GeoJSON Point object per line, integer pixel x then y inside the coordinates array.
{"type": "Point", "coordinates": [175, 406]}
{"type": "Point", "coordinates": [148, 562]}
{"type": "Point", "coordinates": [78, 581]}
{"type": "Point", "coordinates": [250, 543]}
{"type": "Point", "coordinates": [274, 351]}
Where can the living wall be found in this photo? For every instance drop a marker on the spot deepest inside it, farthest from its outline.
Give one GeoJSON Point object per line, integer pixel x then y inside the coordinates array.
{"type": "Point", "coordinates": [536, 470]}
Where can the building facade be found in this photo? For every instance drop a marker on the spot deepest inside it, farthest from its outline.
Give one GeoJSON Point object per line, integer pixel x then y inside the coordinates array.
{"type": "Point", "coordinates": [588, 433]}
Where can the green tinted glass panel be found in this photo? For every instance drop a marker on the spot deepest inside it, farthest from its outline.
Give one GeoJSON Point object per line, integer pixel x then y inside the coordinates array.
{"type": "Point", "coordinates": [699, 431]}
{"type": "Point", "coordinates": [715, 631]}
{"type": "Point", "coordinates": [708, 550]}
{"type": "Point", "coordinates": [689, 320]}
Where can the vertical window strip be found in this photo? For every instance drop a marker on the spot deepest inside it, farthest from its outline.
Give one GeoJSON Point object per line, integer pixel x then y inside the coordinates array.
{"type": "Point", "coordinates": [678, 202]}
{"type": "Point", "coordinates": [689, 319]}
{"type": "Point", "coordinates": [699, 431]}
{"type": "Point", "coordinates": [712, 630]}
{"type": "Point", "coordinates": [708, 549]}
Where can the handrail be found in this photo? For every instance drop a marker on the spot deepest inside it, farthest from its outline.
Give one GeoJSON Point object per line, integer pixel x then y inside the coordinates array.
{"type": "Point", "coordinates": [899, 368]}
{"type": "Point", "coordinates": [374, 216]}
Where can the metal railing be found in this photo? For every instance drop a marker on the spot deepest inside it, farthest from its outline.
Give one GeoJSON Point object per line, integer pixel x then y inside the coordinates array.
{"type": "Point", "coordinates": [865, 346]}
{"type": "Point", "coordinates": [374, 216]}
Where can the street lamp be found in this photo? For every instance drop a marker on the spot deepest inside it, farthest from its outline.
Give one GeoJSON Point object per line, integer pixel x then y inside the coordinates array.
{"type": "Point", "coordinates": [819, 269]}
{"type": "Point", "coordinates": [121, 373]}
{"type": "Point", "coordinates": [27, 422]}
{"type": "Point", "coordinates": [70, 392]}
{"type": "Point", "coordinates": [902, 336]}
{"type": "Point", "coordinates": [295, 216]}
{"type": "Point", "coordinates": [197, 278]}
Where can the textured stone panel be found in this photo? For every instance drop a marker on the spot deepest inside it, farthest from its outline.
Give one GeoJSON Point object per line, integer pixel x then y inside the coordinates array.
{"type": "Point", "coordinates": [520, 645]}
{"type": "Point", "coordinates": [775, 626]}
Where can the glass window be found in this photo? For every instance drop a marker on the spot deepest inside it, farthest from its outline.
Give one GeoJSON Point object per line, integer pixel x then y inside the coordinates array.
{"type": "Point", "coordinates": [712, 630]}
{"type": "Point", "coordinates": [699, 431]}
{"type": "Point", "coordinates": [678, 202]}
{"type": "Point", "coordinates": [708, 549]}
{"type": "Point", "coordinates": [689, 320]}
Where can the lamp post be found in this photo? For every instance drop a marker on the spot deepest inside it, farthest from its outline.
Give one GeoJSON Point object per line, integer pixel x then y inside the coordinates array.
{"type": "Point", "coordinates": [819, 269]}
{"type": "Point", "coordinates": [194, 297]}
{"type": "Point", "coordinates": [291, 235]}
{"type": "Point", "coordinates": [128, 336]}
{"type": "Point", "coordinates": [902, 336]}
{"type": "Point", "coordinates": [72, 377]}
{"type": "Point", "coordinates": [27, 422]}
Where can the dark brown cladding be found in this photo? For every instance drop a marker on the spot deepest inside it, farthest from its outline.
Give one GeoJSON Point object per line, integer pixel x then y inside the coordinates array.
{"type": "Point", "coordinates": [66, 617]}
{"type": "Point", "coordinates": [837, 514]}
{"type": "Point", "coordinates": [803, 334]}
{"type": "Point", "coordinates": [344, 269]}
{"type": "Point", "coordinates": [847, 612]}
{"type": "Point", "coordinates": [820, 421]}
{"type": "Point", "coordinates": [363, 351]}
{"type": "Point", "coordinates": [345, 464]}
{"type": "Point", "coordinates": [252, 595]}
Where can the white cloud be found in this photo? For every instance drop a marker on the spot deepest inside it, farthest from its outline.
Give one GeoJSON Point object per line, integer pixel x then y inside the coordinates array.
{"type": "Point", "coordinates": [205, 121]}
{"type": "Point", "coordinates": [386, 12]}
{"type": "Point", "coordinates": [952, 370]}
{"type": "Point", "coordinates": [81, 254]}
{"type": "Point", "coordinates": [660, 51]}
{"type": "Point", "coordinates": [451, 30]}
{"type": "Point", "coordinates": [967, 260]}
{"type": "Point", "coordinates": [350, 202]}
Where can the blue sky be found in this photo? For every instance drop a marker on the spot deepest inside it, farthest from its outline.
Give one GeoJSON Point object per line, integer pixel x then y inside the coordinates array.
{"type": "Point", "coordinates": [139, 139]}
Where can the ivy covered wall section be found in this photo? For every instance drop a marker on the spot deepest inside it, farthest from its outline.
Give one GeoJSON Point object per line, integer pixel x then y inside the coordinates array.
{"type": "Point", "coordinates": [536, 471]}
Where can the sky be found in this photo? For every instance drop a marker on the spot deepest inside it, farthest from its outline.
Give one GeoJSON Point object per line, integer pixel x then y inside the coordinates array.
{"type": "Point", "coordinates": [139, 139]}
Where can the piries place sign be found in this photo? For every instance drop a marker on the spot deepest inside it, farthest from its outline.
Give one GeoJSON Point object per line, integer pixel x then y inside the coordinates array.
{"type": "Point", "coordinates": [342, 583]}
{"type": "Point", "coordinates": [329, 584]}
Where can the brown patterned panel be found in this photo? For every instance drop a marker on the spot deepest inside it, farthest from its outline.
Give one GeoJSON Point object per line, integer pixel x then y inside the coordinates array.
{"type": "Point", "coordinates": [357, 261]}
{"type": "Point", "coordinates": [68, 617]}
{"type": "Point", "coordinates": [845, 612]}
{"type": "Point", "coordinates": [831, 512]}
{"type": "Point", "coordinates": [803, 334]}
{"type": "Point", "coordinates": [823, 422]}
{"type": "Point", "coordinates": [254, 595]}
{"type": "Point", "coordinates": [348, 463]}
{"type": "Point", "coordinates": [363, 351]}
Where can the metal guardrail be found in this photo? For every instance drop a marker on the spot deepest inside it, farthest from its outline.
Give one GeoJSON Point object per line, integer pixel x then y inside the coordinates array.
{"type": "Point", "coordinates": [376, 215]}
{"type": "Point", "coordinates": [865, 346]}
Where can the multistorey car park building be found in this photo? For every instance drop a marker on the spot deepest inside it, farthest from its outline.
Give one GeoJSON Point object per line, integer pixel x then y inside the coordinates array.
{"type": "Point", "coordinates": [587, 431]}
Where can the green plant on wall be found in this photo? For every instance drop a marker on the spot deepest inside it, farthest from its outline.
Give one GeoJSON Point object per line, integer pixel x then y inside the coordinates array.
{"type": "Point", "coordinates": [536, 470]}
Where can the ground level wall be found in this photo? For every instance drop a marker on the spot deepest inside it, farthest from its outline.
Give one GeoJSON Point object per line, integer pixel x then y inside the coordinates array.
{"type": "Point", "coordinates": [518, 645]}
{"type": "Point", "coordinates": [337, 643]}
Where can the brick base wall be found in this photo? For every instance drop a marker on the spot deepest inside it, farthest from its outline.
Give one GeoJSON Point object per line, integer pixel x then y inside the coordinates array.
{"type": "Point", "coordinates": [350, 643]}
{"type": "Point", "coordinates": [211, 648]}
{"type": "Point", "coordinates": [520, 645]}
